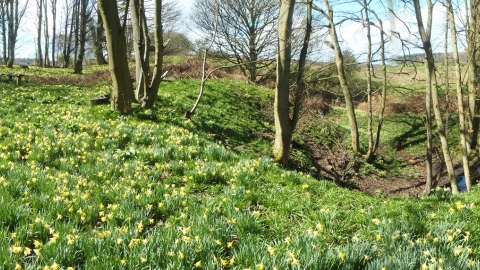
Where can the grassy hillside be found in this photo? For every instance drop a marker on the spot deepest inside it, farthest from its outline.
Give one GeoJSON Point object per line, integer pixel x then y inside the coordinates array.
{"type": "Point", "coordinates": [84, 188]}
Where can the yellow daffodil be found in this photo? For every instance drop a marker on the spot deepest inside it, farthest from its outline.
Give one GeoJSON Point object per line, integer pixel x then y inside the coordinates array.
{"type": "Point", "coordinates": [342, 256]}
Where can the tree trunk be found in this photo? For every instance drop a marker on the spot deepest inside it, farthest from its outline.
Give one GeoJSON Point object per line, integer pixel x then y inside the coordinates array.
{"type": "Point", "coordinates": [461, 111]}
{"type": "Point", "coordinates": [13, 19]}
{"type": "Point", "coordinates": [4, 32]}
{"type": "Point", "coordinates": [137, 13]}
{"type": "Point", "coordinates": [39, 33]}
{"type": "Point", "coordinates": [253, 56]}
{"type": "Point", "coordinates": [123, 94]}
{"type": "Point", "coordinates": [82, 38]}
{"type": "Point", "coordinates": [46, 61]}
{"type": "Point", "coordinates": [152, 93]}
{"type": "Point", "coordinates": [54, 29]}
{"type": "Point", "coordinates": [473, 91]}
{"type": "Point", "coordinates": [431, 86]}
{"type": "Point", "coordinates": [299, 94]}
{"type": "Point", "coordinates": [10, 33]}
{"type": "Point", "coordinates": [99, 38]}
{"type": "Point", "coordinates": [384, 85]}
{"type": "Point", "coordinates": [189, 114]}
{"type": "Point", "coordinates": [68, 45]}
{"type": "Point", "coordinates": [343, 81]}
{"type": "Point", "coordinates": [370, 154]}
{"type": "Point", "coordinates": [76, 16]}
{"type": "Point", "coordinates": [283, 124]}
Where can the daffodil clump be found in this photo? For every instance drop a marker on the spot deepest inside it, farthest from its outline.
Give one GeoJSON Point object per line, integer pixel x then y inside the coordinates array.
{"type": "Point", "coordinates": [84, 188]}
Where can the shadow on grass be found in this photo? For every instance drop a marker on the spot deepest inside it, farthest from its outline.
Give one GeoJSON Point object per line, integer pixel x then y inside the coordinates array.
{"type": "Point", "coordinates": [411, 132]}
{"type": "Point", "coordinates": [229, 110]}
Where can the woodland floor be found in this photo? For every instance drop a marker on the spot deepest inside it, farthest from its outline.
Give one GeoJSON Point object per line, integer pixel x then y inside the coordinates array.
{"type": "Point", "coordinates": [333, 164]}
{"type": "Point", "coordinates": [388, 185]}
{"type": "Point", "coordinates": [339, 166]}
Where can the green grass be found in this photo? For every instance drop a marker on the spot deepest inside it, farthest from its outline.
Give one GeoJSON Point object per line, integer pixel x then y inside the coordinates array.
{"type": "Point", "coordinates": [82, 187]}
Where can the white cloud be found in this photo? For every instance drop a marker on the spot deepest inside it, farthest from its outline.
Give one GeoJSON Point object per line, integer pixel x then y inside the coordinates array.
{"type": "Point", "coordinates": [354, 34]}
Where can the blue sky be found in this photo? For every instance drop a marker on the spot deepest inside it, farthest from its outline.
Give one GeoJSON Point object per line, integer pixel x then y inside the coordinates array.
{"type": "Point", "coordinates": [353, 33]}
{"type": "Point", "coordinates": [27, 31]}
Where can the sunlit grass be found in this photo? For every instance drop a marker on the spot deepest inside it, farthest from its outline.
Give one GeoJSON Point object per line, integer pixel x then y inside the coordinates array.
{"type": "Point", "coordinates": [84, 188]}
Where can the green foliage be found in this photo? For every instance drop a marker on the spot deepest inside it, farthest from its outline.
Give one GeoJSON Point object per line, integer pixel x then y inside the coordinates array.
{"type": "Point", "coordinates": [82, 187]}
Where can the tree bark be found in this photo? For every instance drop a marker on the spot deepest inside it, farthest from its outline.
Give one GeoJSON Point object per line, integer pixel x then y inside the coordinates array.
{"type": "Point", "coordinates": [11, 33]}
{"type": "Point", "coordinates": [431, 88]}
{"type": "Point", "coordinates": [123, 94]}
{"type": "Point", "coordinates": [67, 49]}
{"type": "Point", "coordinates": [283, 124]}
{"type": "Point", "coordinates": [370, 153]}
{"type": "Point", "coordinates": [46, 60]}
{"type": "Point", "coordinates": [140, 47]}
{"type": "Point", "coordinates": [76, 16]}
{"type": "Point", "coordinates": [299, 94]}
{"type": "Point", "coordinates": [39, 33]}
{"type": "Point", "coordinates": [4, 32]}
{"type": "Point", "coordinates": [384, 84]}
{"type": "Point", "coordinates": [54, 29]}
{"type": "Point", "coordinates": [14, 16]}
{"type": "Point", "coordinates": [461, 111]}
{"type": "Point", "coordinates": [153, 89]}
{"type": "Point", "coordinates": [99, 39]}
{"type": "Point", "coordinates": [343, 81]}
{"type": "Point", "coordinates": [473, 90]}
{"type": "Point", "coordinates": [253, 54]}
{"type": "Point", "coordinates": [82, 37]}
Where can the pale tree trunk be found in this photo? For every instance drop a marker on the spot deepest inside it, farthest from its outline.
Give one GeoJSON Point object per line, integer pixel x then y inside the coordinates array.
{"type": "Point", "coordinates": [82, 38]}
{"type": "Point", "coordinates": [473, 91]}
{"type": "Point", "coordinates": [447, 74]}
{"type": "Point", "coordinates": [152, 92]}
{"type": "Point", "coordinates": [374, 139]}
{"type": "Point", "coordinates": [14, 16]}
{"type": "Point", "coordinates": [370, 154]}
{"type": "Point", "coordinates": [137, 44]}
{"type": "Point", "coordinates": [299, 92]}
{"type": "Point", "coordinates": [54, 28]}
{"type": "Point", "coordinates": [39, 33]}
{"type": "Point", "coordinates": [283, 124]}
{"type": "Point", "coordinates": [461, 111]}
{"type": "Point", "coordinates": [384, 84]}
{"type": "Point", "coordinates": [46, 61]}
{"type": "Point", "coordinates": [141, 45]}
{"type": "Point", "coordinates": [431, 87]}
{"type": "Point", "coordinates": [123, 94]}
{"type": "Point", "coordinates": [76, 16]}
{"type": "Point", "coordinates": [67, 47]}
{"type": "Point", "coordinates": [205, 75]}
{"type": "Point", "coordinates": [147, 91]}
{"type": "Point", "coordinates": [99, 39]}
{"type": "Point", "coordinates": [11, 34]}
{"type": "Point", "coordinates": [343, 80]}
{"type": "Point", "coordinates": [4, 32]}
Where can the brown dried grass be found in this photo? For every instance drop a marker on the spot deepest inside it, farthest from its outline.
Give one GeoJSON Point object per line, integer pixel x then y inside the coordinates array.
{"type": "Point", "coordinates": [395, 105]}
{"type": "Point", "coordinates": [408, 105]}
{"type": "Point", "coordinates": [317, 105]}
{"type": "Point", "coordinates": [89, 80]}
{"type": "Point", "coordinates": [193, 69]}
